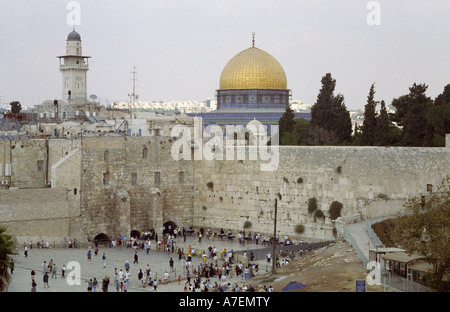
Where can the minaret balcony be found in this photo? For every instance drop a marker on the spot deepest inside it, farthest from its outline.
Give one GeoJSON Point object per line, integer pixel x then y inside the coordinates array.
{"type": "Point", "coordinates": [74, 66]}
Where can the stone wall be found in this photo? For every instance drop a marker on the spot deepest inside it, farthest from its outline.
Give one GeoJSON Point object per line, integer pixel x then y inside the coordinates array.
{"type": "Point", "coordinates": [372, 181]}
{"type": "Point", "coordinates": [132, 165]}
{"type": "Point", "coordinates": [36, 214]}
{"type": "Point", "coordinates": [147, 186]}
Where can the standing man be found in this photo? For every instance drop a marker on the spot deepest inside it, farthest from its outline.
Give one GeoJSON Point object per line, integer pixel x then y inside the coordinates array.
{"type": "Point", "coordinates": [54, 268]}
{"type": "Point", "coordinates": [45, 279]}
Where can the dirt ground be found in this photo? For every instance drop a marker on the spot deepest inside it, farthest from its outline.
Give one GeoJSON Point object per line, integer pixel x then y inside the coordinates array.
{"type": "Point", "coordinates": [334, 268]}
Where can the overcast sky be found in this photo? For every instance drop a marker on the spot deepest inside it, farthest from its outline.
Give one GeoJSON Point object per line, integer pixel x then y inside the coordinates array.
{"type": "Point", "coordinates": [180, 47]}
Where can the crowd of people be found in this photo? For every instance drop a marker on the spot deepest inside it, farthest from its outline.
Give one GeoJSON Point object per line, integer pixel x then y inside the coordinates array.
{"type": "Point", "coordinates": [216, 270]}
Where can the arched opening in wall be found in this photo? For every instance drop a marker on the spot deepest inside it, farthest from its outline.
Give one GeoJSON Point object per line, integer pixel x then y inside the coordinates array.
{"type": "Point", "coordinates": [102, 238]}
{"type": "Point", "coordinates": [135, 234]}
{"type": "Point", "coordinates": [169, 227]}
{"type": "Point", "coordinates": [145, 152]}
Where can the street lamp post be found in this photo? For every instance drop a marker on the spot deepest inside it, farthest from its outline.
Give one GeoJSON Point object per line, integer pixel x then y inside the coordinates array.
{"type": "Point", "coordinates": [274, 241]}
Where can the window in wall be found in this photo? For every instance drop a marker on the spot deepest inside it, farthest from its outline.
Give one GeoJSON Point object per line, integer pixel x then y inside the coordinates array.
{"type": "Point", "coordinates": [106, 156]}
{"type": "Point", "coordinates": [134, 179]}
{"type": "Point", "coordinates": [145, 152]}
{"type": "Point", "coordinates": [40, 165]}
{"type": "Point", "coordinates": [157, 178]}
{"type": "Point", "coordinates": [181, 177]}
{"type": "Point", "coordinates": [105, 178]}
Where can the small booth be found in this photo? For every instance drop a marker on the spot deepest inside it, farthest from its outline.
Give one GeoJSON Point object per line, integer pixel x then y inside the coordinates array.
{"type": "Point", "coordinates": [399, 263]}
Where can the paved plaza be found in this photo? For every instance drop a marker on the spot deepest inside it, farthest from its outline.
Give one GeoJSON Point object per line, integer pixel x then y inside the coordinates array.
{"type": "Point", "coordinates": [116, 258]}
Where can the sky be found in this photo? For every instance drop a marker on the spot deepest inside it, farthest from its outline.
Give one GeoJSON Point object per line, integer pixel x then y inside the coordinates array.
{"type": "Point", "coordinates": [180, 47]}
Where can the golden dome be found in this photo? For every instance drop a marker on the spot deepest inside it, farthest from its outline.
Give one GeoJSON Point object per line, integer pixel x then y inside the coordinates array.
{"type": "Point", "coordinates": [253, 69]}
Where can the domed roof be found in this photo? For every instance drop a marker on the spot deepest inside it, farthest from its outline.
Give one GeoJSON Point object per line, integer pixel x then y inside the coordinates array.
{"type": "Point", "coordinates": [253, 68]}
{"type": "Point", "coordinates": [74, 36]}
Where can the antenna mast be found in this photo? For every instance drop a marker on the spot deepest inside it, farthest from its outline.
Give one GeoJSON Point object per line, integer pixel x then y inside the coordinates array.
{"type": "Point", "coordinates": [133, 95]}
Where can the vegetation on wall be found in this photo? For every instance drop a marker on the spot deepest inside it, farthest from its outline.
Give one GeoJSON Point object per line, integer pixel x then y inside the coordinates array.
{"type": "Point", "coordinates": [312, 204]}
{"type": "Point", "coordinates": [299, 228]}
{"type": "Point", "coordinates": [335, 210]}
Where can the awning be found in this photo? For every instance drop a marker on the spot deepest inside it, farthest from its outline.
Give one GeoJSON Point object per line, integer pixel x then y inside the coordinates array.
{"type": "Point", "coordinates": [402, 257]}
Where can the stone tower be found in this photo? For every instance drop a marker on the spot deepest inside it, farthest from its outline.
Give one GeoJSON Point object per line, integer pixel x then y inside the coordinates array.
{"type": "Point", "coordinates": [73, 67]}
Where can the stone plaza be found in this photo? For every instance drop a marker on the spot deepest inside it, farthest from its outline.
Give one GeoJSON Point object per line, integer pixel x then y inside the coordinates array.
{"type": "Point", "coordinates": [116, 257]}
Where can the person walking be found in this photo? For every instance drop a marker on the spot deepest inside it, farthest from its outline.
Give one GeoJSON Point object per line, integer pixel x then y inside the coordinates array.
{"type": "Point", "coordinates": [171, 264]}
{"type": "Point", "coordinates": [94, 284]}
{"type": "Point", "coordinates": [63, 270]}
{"type": "Point", "coordinates": [140, 276]}
{"type": "Point", "coordinates": [105, 284]}
{"type": "Point", "coordinates": [44, 267]}
{"type": "Point", "coordinates": [166, 278]}
{"type": "Point", "coordinates": [104, 260]}
{"type": "Point", "coordinates": [135, 257]}
{"type": "Point", "coordinates": [54, 269]}
{"type": "Point", "coordinates": [89, 256]}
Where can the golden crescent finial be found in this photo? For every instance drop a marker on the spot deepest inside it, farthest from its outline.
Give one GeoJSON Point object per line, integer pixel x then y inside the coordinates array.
{"type": "Point", "coordinates": [253, 41]}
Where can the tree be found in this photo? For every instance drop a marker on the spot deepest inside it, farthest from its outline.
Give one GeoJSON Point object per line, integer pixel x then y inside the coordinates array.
{"type": "Point", "coordinates": [438, 119]}
{"type": "Point", "coordinates": [382, 135]}
{"type": "Point", "coordinates": [299, 134]}
{"type": "Point", "coordinates": [286, 124]}
{"type": "Point", "coordinates": [329, 111]}
{"type": "Point", "coordinates": [320, 136]}
{"type": "Point", "coordinates": [6, 249]}
{"type": "Point", "coordinates": [411, 114]}
{"type": "Point", "coordinates": [415, 121]}
{"type": "Point", "coordinates": [15, 107]}
{"type": "Point", "coordinates": [426, 231]}
{"type": "Point", "coordinates": [370, 120]}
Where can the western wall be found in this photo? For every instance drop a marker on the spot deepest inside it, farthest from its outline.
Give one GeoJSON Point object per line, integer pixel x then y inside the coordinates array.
{"type": "Point", "coordinates": [369, 182]}
{"type": "Point", "coordinates": [117, 184]}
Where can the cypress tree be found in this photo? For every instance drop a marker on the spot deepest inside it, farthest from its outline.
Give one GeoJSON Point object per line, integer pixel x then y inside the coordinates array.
{"type": "Point", "coordinates": [329, 111]}
{"type": "Point", "coordinates": [321, 110]}
{"type": "Point", "coordinates": [286, 124]}
{"type": "Point", "coordinates": [382, 130]}
{"type": "Point", "coordinates": [370, 119]}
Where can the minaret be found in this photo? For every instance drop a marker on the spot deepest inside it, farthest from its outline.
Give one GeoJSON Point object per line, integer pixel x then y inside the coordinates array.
{"type": "Point", "coordinates": [74, 67]}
